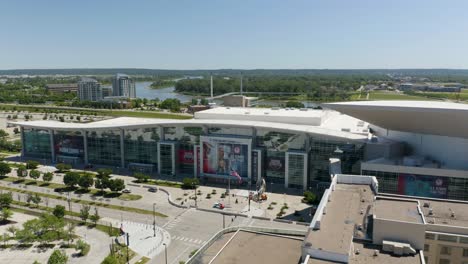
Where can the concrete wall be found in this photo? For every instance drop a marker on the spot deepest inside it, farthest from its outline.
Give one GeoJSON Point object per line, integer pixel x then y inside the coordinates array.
{"type": "Point", "coordinates": [397, 231]}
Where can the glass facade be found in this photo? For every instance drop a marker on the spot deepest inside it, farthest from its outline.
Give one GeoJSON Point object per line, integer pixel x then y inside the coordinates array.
{"type": "Point", "coordinates": [296, 170]}
{"type": "Point", "coordinates": [104, 147]}
{"type": "Point", "coordinates": [141, 147]}
{"type": "Point", "coordinates": [69, 146]}
{"type": "Point", "coordinates": [37, 143]}
{"type": "Point", "coordinates": [421, 185]}
{"type": "Point", "coordinates": [177, 145]}
{"type": "Point", "coordinates": [321, 150]}
{"type": "Point", "coordinates": [167, 158]}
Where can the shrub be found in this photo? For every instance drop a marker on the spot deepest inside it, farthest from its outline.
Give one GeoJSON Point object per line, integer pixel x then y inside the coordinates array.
{"type": "Point", "coordinates": [58, 257]}
{"type": "Point", "coordinates": [71, 178]}
{"type": "Point", "coordinates": [62, 167]}
{"type": "Point", "coordinates": [141, 177]}
{"type": "Point", "coordinates": [48, 176]}
{"type": "Point", "coordinates": [190, 183]}
{"type": "Point", "coordinates": [32, 164]}
{"type": "Point", "coordinates": [22, 171]}
{"type": "Point", "coordinates": [83, 247]}
{"type": "Point", "coordinates": [309, 197]}
{"type": "Point", "coordinates": [59, 211]}
{"type": "Point", "coordinates": [208, 196]}
{"type": "Point", "coordinates": [4, 168]}
{"type": "Point", "coordinates": [34, 174]}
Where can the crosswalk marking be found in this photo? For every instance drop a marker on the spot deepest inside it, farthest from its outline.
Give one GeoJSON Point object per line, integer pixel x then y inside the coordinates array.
{"type": "Point", "coordinates": [188, 240]}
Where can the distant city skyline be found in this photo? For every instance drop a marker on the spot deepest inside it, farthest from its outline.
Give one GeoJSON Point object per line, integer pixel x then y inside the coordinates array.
{"type": "Point", "coordinates": [248, 34]}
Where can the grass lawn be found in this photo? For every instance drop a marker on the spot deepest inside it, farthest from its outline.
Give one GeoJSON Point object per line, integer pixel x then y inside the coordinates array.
{"type": "Point", "coordinates": [109, 230]}
{"type": "Point", "coordinates": [162, 183]}
{"type": "Point", "coordinates": [63, 188]}
{"type": "Point", "coordinates": [143, 260]}
{"type": "Point", "coordinates": [92, 203]}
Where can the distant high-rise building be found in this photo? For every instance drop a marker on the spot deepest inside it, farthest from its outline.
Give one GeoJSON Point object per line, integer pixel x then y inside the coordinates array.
{"type": "Point", "coordinates": [89, 90]}
{"type": "Point", "coordinates": [123, 85]}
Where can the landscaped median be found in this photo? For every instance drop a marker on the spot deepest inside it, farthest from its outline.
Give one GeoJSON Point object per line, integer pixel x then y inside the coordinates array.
{"type": "Point", "coordinates": [85, 202]}
{"type": "Point", "coordinates": [58, 187]}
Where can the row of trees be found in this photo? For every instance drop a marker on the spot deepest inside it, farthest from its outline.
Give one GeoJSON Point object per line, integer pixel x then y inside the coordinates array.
{"type": "Point", "coordinates": [319, 87]}
{"type": "Point", "coordinates": [87, 180]}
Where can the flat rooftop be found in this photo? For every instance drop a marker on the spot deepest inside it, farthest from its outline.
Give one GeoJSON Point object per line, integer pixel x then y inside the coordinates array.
{"type": "Point", "coordinates": [442, 212]}
{"type": "Point", "coordinates": [366, 256]}
{"type": "Point", "coordinates": [404, 210]}
{"type": "Point", "coordinates": [342, 217]}
{"type": "Point", "coordinates": [133, 122]}
{"type": "Point", "coordinates": [251, 247]}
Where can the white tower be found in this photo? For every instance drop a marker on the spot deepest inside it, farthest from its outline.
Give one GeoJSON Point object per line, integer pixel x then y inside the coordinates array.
{"type": "Point", "coordinates": [211, 86]}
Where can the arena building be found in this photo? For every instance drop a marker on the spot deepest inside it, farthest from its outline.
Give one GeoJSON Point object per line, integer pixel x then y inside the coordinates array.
{"type": "Point", "coordinates": [287, 147]}
{"type": "Point", "coordinates": [413, 148]}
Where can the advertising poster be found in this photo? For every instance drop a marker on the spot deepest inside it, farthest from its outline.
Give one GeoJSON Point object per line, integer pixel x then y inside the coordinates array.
{"type": "Point", "coordinates": [422, 185]}
{"type": "Point", "coordinates": [186, 156]}
{"type": "Point", "coordinates": [276, 166]}
{"type": "Point", "coordinates": [69, 146]}
{"type": "Point", "coordinates": [222, 157]}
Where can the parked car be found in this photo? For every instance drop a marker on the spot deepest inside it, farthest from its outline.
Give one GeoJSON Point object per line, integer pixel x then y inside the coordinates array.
{"type": "Point", "coordinates": [219, 206]}
{"type": "Point", "coordinates": [152, 189]}
{"type": "Point", "coordinates": [126, 191]}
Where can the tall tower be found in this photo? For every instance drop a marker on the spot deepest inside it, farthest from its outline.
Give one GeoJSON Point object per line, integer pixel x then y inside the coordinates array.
{"type": "Point", "coordinates": [241, 84]}
{"type": "Point", "coordinates": [211, 86]}
{"type": "Point", "coordinates": [123, 85]}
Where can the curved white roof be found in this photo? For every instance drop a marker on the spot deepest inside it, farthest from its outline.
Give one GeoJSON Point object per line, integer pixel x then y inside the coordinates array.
{"type": "Point", "coordinates": [426, 117]}
{"type": "Point", "coordinates": [131, 123]}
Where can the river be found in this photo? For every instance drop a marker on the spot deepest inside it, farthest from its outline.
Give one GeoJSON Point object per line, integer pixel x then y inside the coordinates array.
{"type": "Point", "coordinates": [143, 90]}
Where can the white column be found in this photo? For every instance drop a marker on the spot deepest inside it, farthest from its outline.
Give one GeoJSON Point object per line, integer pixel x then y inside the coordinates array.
{"type": "Point", "coordinates": [22, 142]}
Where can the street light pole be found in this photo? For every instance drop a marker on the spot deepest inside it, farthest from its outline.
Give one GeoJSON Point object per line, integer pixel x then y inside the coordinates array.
{"type": "Point", "coordinates": [154, 219]}
{"type": "Point", "coordinates": [165, 251]}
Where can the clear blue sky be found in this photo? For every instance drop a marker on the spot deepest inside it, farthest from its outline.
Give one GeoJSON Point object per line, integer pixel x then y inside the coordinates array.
{"type": "Point", "coordinates": [202, 34]}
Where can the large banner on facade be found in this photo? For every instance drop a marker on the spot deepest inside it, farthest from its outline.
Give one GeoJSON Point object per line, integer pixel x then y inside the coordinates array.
{"type": "Point", "coordinates": [186, 156]}
{"type": "Point", "coordinates": [225, 156]}
{"type": "Point", "coordinates": [276, 166]}
{"type": "Point", "coordinates": [422, 185]}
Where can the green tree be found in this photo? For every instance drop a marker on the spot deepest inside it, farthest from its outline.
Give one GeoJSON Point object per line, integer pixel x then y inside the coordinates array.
{"type": "Point", "coordinates": [204, 101]}
{"type": "Point", "coordinates": [84, 212]}
{"type": "Point", "coordinates": [3, 133]}
{"type": "Point", "coordinates": [104, 172]}
{"type": "Point", "coordinates": [15, 130]}
{"type": "Point", "coordinates": [48, 176]}
{"type": "Point", "coordinates": [117, 185]}
{"type": "Point", "coordinates": [102, 183]}
{"type": "Point", "coordinates": [4, 168]}
{"type": "Point", "coordinates": [190, 183]}
{"type": "Point", "coordinates": [32, 164]}
{"type": "Point", "coordinates": [62, 167]}
{"type": "Point", "coordinates": [309, 197]}
{"type": "Point", "coordinates": [86, 181]}
{"type": "Point", "coordinates": [171, 104]}
{"type": "Point", "coordinates": [58, 257]}
{"type": "Point", "coordinates": [71, 178]}
{"type": "Point", "coordinates": [141, 177]}
{"type": "Point", "coordinates": [36, 199]}
{"type": "Point", "coordinates": [6, 214]}
{"type": "Point", "coordinates": [21, 171]}
{"type": "Point", "coordinates": [59, 211]}
{"type": "Point", "coordinates": [194, 101]}
{"type": "Point", "coordinates": [34, 174]}
{"type": "Point", "coordinates": [6, 199]}
{"type": "Point", "coordinates": [95, 217]}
